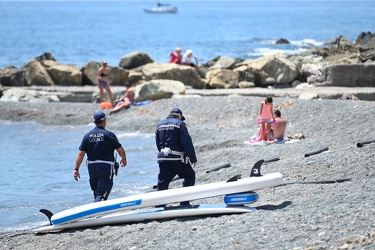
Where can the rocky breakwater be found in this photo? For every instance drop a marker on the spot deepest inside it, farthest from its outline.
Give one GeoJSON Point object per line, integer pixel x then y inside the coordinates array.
{"type": "Point", "coordinates": [338, 69]}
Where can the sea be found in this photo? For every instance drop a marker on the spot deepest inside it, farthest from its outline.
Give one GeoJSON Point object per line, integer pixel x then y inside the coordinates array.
{"type": "Point", "coordinates": [36, 161]}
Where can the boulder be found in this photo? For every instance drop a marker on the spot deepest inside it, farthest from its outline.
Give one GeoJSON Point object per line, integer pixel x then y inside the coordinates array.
{"type": "Point", "coordinates": [12, 76]}
{"type": "Point", "coordinates": [282, 41]}
{"type": "Point", "coordinates": [36, 74]}
{"type": "Point", "coordinates": [246, 73]}
{"type": "Point", "coordinates": [135, 59]}
{"type": "Point", "coordinates": [64, 75]}
{"type": "Point", "coordinates": [185, 74]}
{"type": "Point", "coordinates": [350, 75]}
{"type": "Point", "coordinates": [244, 84]}
{"type": "Point", "coordinates": [274, 69]}
{"type": "Point", "coordinates": [158, 89]}
{"type": "Point", "coordinates": [134, 77]}
{"type": "Point", "coordinates": [44, 57]}
{"type": "Point", "coordinates": [222, 78]}
{"type": "Point", "coordinates": [366, 46]}
{"type": "Point", "coordinates": [22, 95]}
{"type": "Point", "coordinates": [90, 73]}
{"type": "Point", "coordinates": [223, 63]}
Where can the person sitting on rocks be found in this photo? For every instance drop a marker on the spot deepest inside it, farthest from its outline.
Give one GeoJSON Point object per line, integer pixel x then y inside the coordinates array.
{"type": "Point", "coordinates": [187, 59]}
{"type": "Point", "coordinates": [175, 56]}
{"type": "Point", "coordinates": [126, 100]}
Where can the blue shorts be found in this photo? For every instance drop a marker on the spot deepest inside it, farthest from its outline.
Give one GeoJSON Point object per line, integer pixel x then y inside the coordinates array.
{"type": "Point", "coordinates": [103, 84]}
{"type": "Point", "coordinates": [266, 120]}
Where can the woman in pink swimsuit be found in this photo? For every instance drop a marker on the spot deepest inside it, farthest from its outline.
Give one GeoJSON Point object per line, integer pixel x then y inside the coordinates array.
{"type": "Point", "coordinates": [266, 116]}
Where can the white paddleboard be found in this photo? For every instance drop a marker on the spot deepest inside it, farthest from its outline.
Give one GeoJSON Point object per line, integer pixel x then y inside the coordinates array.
{"type": "Point", "coordinates": [149, 214]}
{"type": "Point", "coordinates": [166, 197]}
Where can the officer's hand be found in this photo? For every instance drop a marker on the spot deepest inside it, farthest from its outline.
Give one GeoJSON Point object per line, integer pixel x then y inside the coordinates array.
{"type": "Point", "coordinates": [76, 175]}
{"type": "Point", "coordinates": [123, 162]}
{"type": "Point", "coordinates": [193, 164]}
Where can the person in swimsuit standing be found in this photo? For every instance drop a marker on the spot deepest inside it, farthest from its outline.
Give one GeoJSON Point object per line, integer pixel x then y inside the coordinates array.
{"type": "Point", "coordinates": [266, 116]}
{"type": "Point", "coordinates": [103, 79]}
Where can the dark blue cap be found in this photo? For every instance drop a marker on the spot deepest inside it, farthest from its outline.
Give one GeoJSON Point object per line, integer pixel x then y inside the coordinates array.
{"type": "Point", "coordinates": [99, 116]}
{"type": "Point", "coordinates": [175, 111]}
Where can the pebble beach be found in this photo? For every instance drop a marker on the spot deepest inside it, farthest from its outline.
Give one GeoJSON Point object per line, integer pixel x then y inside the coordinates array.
{"type": "Point", "coordinates": [293, 216]}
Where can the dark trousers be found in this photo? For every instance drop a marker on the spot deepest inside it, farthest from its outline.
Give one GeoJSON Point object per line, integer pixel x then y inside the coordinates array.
{"type": "Point", "coordinates": [101, 180]}
{"type": "Point", "coordinates": [168, 170]}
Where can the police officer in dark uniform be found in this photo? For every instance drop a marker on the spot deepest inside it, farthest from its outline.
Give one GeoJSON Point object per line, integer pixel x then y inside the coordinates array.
{"type": "Point", "coordinates": [100, 144]}
{"type": "Point", "coordinates": [176, 151]}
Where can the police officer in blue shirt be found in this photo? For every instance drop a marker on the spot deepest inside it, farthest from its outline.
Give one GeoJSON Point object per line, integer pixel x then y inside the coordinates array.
{"type": "Point", "coordinates": [176, 151]}
{"type": "Point", "coordinates": [100, 144]}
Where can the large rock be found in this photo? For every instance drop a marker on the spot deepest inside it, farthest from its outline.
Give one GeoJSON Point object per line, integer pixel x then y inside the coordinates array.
{"type": "Point", "coordinates": [90, 73]}
{"type": "Point", "coordinates": [246, 74]}
{"type": "Point", "coordinates": [134, 77]}
{"type": "Point", "coordinates": [47, 56]}
{"type": "Point", "coordinates": [64, 75]}
{"type": "Point", "coordinates": [171, 71]}
{"type": "Point", "coordinates": [118, 75]}
{"type": "Point", "coordinates": [350, 75]}
{"type": "Point", "coordinates": [274, 69]}
{"type": "Point", "coordinates": [22, 95]}
{"type": "Point", "coordinates": [222, 78]}
{"type": "Point", "coordinates": [135, 59]}
{"type": "Point", "coordinates": [223, 63]}
{"type": "Point", "coordinates": [12, 76]}
{"type": "Point", "coordinates": [36, 74]}
{"type": "Point", "coordinates": [158, 89]}
{"type": "Point", "coordinates": [366, 46]}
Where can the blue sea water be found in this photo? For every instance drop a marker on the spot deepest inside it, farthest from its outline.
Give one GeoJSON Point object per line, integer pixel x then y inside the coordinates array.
{"type": "Point", "coordinates": [78, 32]}
{"type": "Point", "coordinates": [36, 161]}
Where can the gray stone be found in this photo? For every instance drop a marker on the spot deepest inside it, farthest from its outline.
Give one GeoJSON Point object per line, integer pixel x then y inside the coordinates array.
{"type": "Point", "coordinates": [158, 89]}
{"type": "Point", "coordinates": [222, 78]}
{"type": "Point", "coordinates": [350, 75]}
{"type": "Point", "coordinates": [36, 74]}
{"type": "Point", "coordinates": [185, 74]}
{"type": "Point", "coordinates": [22, 95]}
{"type": "Point", "coordinates": [135, 59]}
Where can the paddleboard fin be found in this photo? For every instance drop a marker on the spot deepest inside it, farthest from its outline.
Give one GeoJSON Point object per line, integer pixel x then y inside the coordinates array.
{"type": "Point", "coordinates": [316, 152]}
{"type": "Point", "coordinates": [255, 171]}
{"type": "Point", "coordinates": [272, 160]}
{"type": "Point", "coordinates": [361, 144]}
{"type": "Point", "coordinates": [47, 213]}
{"type": "Point", "coordinates": [234, 178]}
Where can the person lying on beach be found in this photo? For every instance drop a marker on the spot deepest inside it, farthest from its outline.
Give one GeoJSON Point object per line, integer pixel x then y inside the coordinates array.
{"type": "Point", "coordinates": [126, 100]}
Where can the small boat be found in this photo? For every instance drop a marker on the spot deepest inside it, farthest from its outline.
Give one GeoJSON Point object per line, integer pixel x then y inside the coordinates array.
{"type": "Point", "coordinates": [161, 8]}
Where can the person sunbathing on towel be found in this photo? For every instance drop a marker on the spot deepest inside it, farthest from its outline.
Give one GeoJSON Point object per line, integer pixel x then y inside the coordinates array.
{"type": "Point", "coordinates": [126, 100]}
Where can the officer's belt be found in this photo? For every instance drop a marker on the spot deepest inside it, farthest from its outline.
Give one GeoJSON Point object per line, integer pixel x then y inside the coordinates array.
{"type": "Point", "coordinates": [172, 152]}
{"type": "Point", "coordinates": [100, 161]}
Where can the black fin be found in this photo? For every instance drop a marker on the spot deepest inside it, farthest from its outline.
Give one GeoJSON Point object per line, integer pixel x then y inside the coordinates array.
{"type": "Point", "coordinates": [47, 213]}
{"type": "Point", "coordinates": [361, 144]}
{"type": "Point", "coordinates": [220, 167]}
{"type": "Point", "coordinates": [272, 160]}
{"type": "Point", "coordinates": [316, 152]}
{"type": "Point", "coordinates": [255, 171]}
{"type": "Point", "coordinates": [234, 178]}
